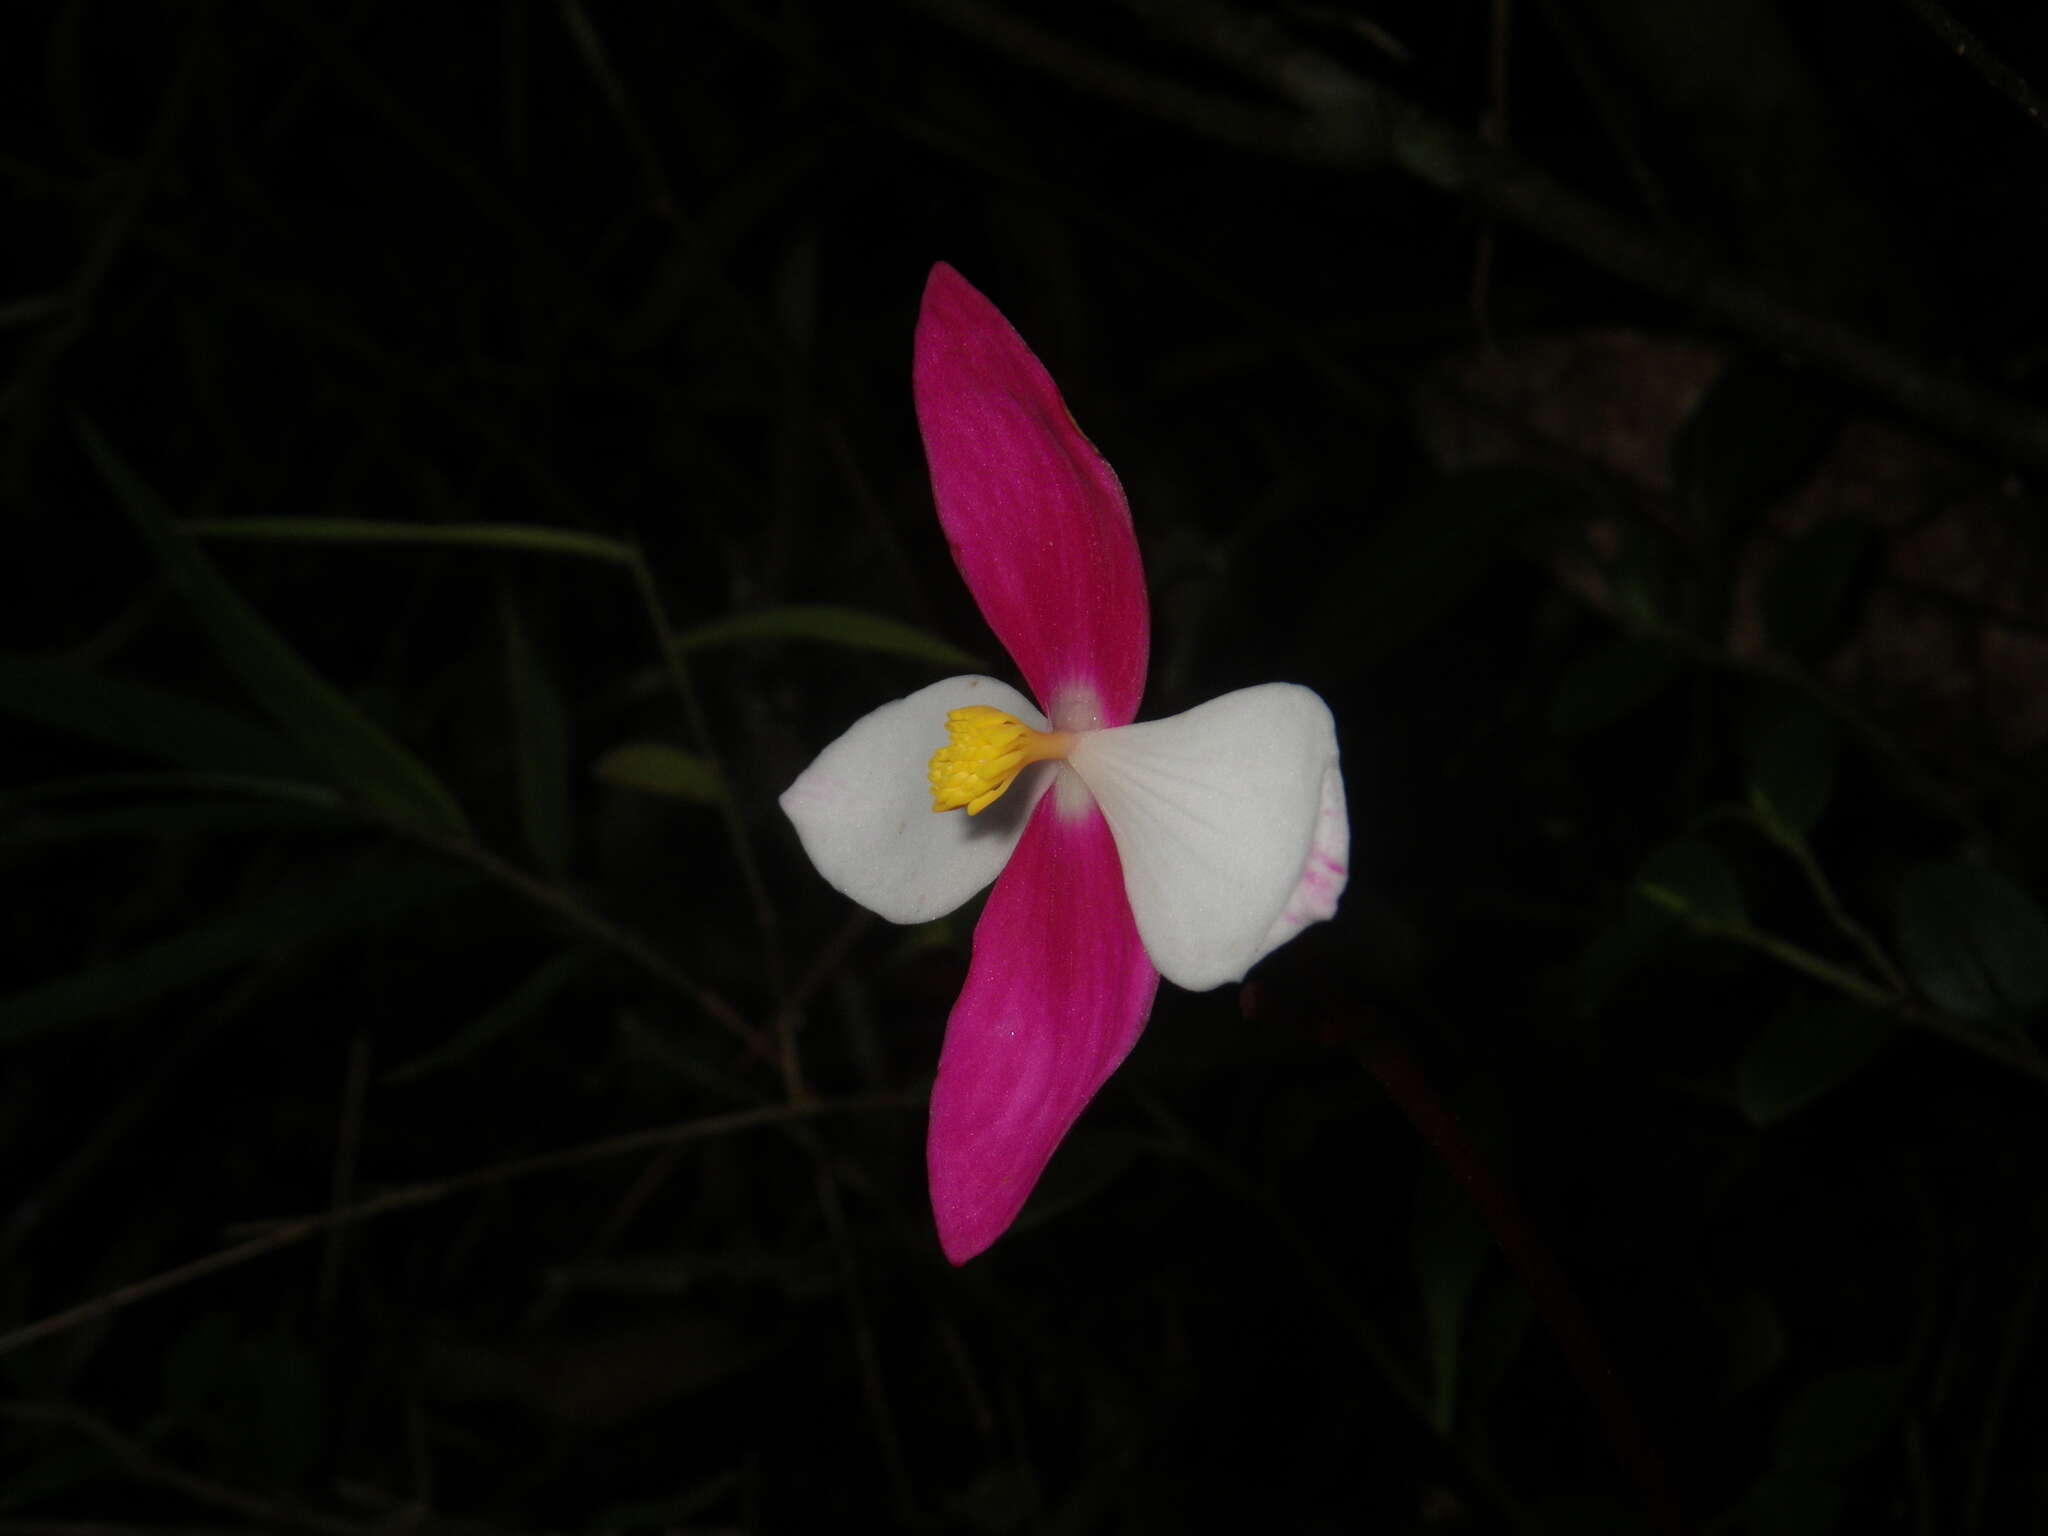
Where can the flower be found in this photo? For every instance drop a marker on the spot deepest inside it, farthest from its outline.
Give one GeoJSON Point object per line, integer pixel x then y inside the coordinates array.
{"type": "Point", "coordinates": [1188, 847]}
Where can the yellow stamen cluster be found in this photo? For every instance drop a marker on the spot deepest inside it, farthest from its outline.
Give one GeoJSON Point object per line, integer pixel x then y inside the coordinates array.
{"type": "Point", "coordinates": [986, 752]}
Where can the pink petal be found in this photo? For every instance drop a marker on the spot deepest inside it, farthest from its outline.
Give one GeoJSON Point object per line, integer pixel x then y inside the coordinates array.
{"type": "Point", "coordinates": [1056, 996]}
{"type": "Point", "coordinates": [1037, 521]}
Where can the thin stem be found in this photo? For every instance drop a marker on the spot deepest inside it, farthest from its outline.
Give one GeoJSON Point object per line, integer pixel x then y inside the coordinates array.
{"type": "Point", "coordinates": [1915, 779]}
{"type": "Point", "coordinates": [693, 711]}
{"type": "Point", "coordinates": [1336, 1298]}
{"type": "Point", "coordinates": [1531, 1259]}
{"type": "Point", "coordinates": [789, 1017]}
{"type": "Point", "coordinates": [533, 538]}
{"type": "Point", "coordinates": [610, 551]}
{"type": "Point", "coordinates": [1784, 951]}
{"type": "Point", "coordinates": [628, 944]}
{"type": "Point", "coordinates": [2015, 1053]}
{"type": "Point", "coordinates": [1831, 903]}
{"type": "Point", "coordinates": [860, 1323]}
{"type": "Point", "coordinates": [2018, 1332]}
{"type": "Point", "coordinates": [182, 781]}
{"type": "Point", "coordinates": [413, 1196]}
{"type": "Point", "coordinates": [1918, 1479]}
{"type": "Point", "coordinates": [72, 310]}
{"type": "Point", "coordinates": [1608, 104]}
{"type": "Point", "coordinates": [589, 43]}
{"type": "Point", "coordinates": [1342, 120]}
{"type": "Point", "coordinates": [342, 1179]}
{"type": "Point", "coordinates": [1493, 130]}
{"type": "Point", "coordinates": [144, 1464]}
{"type": "Point", "coordinates": [2006, 81]}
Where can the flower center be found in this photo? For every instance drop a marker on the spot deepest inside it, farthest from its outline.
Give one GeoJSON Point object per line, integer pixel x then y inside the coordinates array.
{"type": "Point", "coordinates": [986, 752]}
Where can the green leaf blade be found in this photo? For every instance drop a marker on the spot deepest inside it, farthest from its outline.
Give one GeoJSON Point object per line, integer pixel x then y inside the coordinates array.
{"type": "Point", "coordinates": [529, 538]}
{"type": "Point", "coordinates": [1754, 437]}
{"type": "Point", "coordinates": [523, 1003]}
{"type": "Point", "coordinates": [149, 722]}
{"type": "Point", "coordinates": [133, 980]}
{"type": "Point", "coordinates": [1974, 943]}
{"type": "Point", "coordinates": [1807, 596]}
{"type": "Point", "coordinates": [1687, 877]}
{"type": "Point", "coordinates": [1791, 754]}
{"type": "Point", "coordinates": [1804, 1053]}
{"type": "Point", "coordinates": [1611, 684]}
{"type": "Point", "coordinates": [540, 739]}
{"type": "Point", "coordinates": [850, 628]}
{"type": "Point", "coordinates": [321, 720]}
{"type": "Point", "coordinates": [655, 768]}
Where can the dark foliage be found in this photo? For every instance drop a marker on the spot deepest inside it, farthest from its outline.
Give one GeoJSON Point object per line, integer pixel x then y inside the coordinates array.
{"type": "Point", "coordinates": [459, 466]}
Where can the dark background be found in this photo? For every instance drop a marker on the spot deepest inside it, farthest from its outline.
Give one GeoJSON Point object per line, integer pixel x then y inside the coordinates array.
{"type": "Point", "coordinates": [1628, 416]}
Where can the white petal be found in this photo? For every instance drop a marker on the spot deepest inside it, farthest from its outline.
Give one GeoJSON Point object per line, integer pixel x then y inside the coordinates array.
{"type": "Point", "coordinates": [1325, 875]}
{"type": "Point", "coordinates": [864, 807]}
{"type": "Point", "coordinates": [1230, 823]}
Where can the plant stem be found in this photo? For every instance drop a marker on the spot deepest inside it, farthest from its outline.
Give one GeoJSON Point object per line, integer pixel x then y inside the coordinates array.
{"type": "Point", "coordinates": [1785, 952]}
{"type": "Point", "coordinates": [630, 945]}
{"type": "Point", "coordinates": [1824, 892]}
{"type": "Point", "coordinates": [412, 1196]}
{"type": "Point", "coordinates": [2015, 1053]}
{"type": "Point", "coordinates": [1541, 1275]}
{"type": "Point", "coordinates": [742, 848]}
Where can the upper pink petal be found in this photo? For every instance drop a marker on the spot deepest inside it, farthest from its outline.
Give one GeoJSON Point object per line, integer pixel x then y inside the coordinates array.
{"type": "Point", "coordinates": [1056, 996]}
{"type": "Point", "coordinates": [1037, 521]}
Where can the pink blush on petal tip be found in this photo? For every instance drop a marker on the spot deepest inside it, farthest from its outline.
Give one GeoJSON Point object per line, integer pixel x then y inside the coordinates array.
{"type": "Point", "coordinates": [1057, 993]}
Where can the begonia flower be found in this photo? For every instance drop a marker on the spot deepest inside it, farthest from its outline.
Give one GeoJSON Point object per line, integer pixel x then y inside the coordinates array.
{"type": "Point", "coordinates": [1188, 847]}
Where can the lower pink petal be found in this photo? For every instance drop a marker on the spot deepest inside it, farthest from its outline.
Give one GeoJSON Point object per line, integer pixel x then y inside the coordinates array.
{"type": "Point", "coordinates": [1056, 996]}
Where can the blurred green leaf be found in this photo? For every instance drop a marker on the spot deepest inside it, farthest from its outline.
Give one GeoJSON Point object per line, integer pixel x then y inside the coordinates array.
{"type": "Point", "coordinates": [173, 781]}
{"type": "Point", "coordinates": [1611, 684]}
{"type": "Point", "coordinates": [1640, 573]}
{"type": "Point", "coordinates": [1756, 1343]}
{"type": "Point", "coordinates": [125, 982]}
{"type": "Point", "coordinates": [36, 1474]}
{"type": "Point", "coordinates": [150, 722]}
{"type": "Point", "coordinates": [1839, 1420]}
{"type": "Point", "coordinates": [1788, 1503]}
{"type": "Point", "coordinates": [655, 768]}
{"type": "Point", "coordinates": [524, 1002]}
{"type": "Point", "coordinates": [540, 741]}
{"type": "Point", "coordinates": [1620, 950]}
{"type": "Point", "coordinates": [1101, 1157]}
{"type": "Point", "coordinates": [851, 628]}
{"type": "Point", "coordinates": [199, 1364]}
{"type": "Point", "coordinates": [333, 731]}
{"type": "Point", "coordinates": [1974, 942]}
{"type": "Point", "coordinates": [1449, 1250]}
{"type": "Point", "coordinates": [1806, 596]}
{"type": "Point", "coordinates": [531, 538]}
{"type": "Point", "coordinates": [1688, 877]}
{"type": "Point", "coordinates": [257, 1398]}
{"type": "Point", "coordinates": [1802, 1053]}
{"type": "Point", "coordinates": [1418, 563]}
{"type": "Point", "coordinates": [938, 935]}
{"type": "Point", "coordinates": [1589, 1514]}
{"type": "Point", "coordinates": [284, 1409]}
{"type": "Point", "coordinates": [1497, 1325]}
{"type": "Point", "coordinates": [1791, 751]}
{"type": "Point", "coordinates": [205, 818]}
{"type": "Point", "coordinates": [1754, 437]}
{"type": "Point", "coordinates": [679, 1512]}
